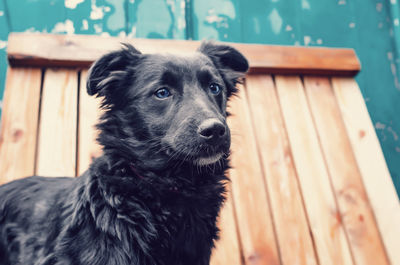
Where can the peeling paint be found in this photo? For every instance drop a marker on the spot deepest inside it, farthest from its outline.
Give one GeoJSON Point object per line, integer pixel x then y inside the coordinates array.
{"type": "Point", "coordinates": [71, 4]}
{"type": "Point", "coordinates": [85, 25]}
{"type": "Point", "coordinates": [276, 21]}
{"type": "Point", "coordinates": [380, 126]}
{"type": "Point", "coordinates": [66, 27]}
{"type": "Point", "coordinates": [307, 40]}
{"type": "Point", "coordinates": [98, 28]}
{"type": "Point", "coordinates": [3, 44]}
{"type": "Point", "coordinates": [379, 7]}
{"type": "Point", "coordinates": [97, 12]}
{"type": "Point", "coordinates": [288, 28]}
{"type": "Point", "coordinates": [1, 13]}
{"type": "Point", "coordinates": [305, 4]}
{"type": "Point", "coordinates": [352, 25]}
{"type": "Point", "coordinates": [342, 2]}
{"type": "Point", "coordinates": [394, 134]}
{"type": "Point", "coordinates": [171, 4]}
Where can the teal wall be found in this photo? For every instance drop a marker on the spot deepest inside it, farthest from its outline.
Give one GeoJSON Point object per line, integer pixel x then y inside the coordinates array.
{"type": "Point", "coordinates": [369, 26]}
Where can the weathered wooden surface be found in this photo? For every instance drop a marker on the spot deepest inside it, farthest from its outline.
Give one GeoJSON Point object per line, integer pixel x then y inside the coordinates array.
{"type": "Point", "coordinates": [80, 51]}
{"type": "Point", "coordinates": [303, 190]}
{"type": "Point", "coordinates": [19, 124]}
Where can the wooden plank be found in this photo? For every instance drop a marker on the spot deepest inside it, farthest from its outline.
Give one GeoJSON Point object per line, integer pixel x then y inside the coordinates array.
{"type": "Point", "coordinates": [324, 217]}
{"type": "Point", "coordinates": [227, 250]}
{"type": "Point", "coordinates": [57, 131]}
{"type": "Point", "coordinates": [19, 123]}
{"type": "Point", "coordinates": [358, 218]}
{"type": "Point", "coordinates": [89, 112]}
{"type": "Point", "coordinates": [81, 50]}
{"type": "Point", "coordinates": [249, 194]}
{"type": "Point", "coordinates": [295, 243]}
{"type": "Point", "coordinates": [368, 154]}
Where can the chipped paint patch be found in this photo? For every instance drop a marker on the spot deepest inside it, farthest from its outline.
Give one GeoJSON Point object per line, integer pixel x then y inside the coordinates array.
{"type": "Point", "coordinates": [342, 2]}
{"type": "Point", "coordinates": [305, 4]}
{"type": "Point", "coordinates": [171, 4]}
{"type": "Point", "coordinates": [380, 126]}
{"type": "Point", "coordinates": [3, 44]}
{"type": "Point", "coordinates": [276, 21]}
{"type": "Point", "coordinates": [307, 40]}
{"type": "Point", "coordinates": [393, 2]}
{"type": "Point", "coordinates": [71, 4]}
{"type": "Point", "coordinates": [352, 25]}
{"type": "Point", "coordinates": [97, 12]}
{"type": "Point", "coordinates": [85, 25]}
{"type": "Point", "coordinates": [379, 7]}
{"type": "Point", "coordinates": [319, 41]}
{"type": "Point", "coordinates": [396, 22]}
{"type": "Point", "coordinates": [66, 27]}
{"type": "Point", "coordinates": [98, 28]}
{"type": "Point", "coordinates": [394, 134]}
{"type": "Point", "coordinates": [393, 68]}
{"type": "Point", "coordinates": [397, 149]}
{"type": "Point", "coordinates": [288, 28]}
{"type": "Point", "coordinates": [1, 13]}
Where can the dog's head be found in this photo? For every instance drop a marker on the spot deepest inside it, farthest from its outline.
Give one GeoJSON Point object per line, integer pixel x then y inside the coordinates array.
{"type": "Point", "coordinates": [160, 109]}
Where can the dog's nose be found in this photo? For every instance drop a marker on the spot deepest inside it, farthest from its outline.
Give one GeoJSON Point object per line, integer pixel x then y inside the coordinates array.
{"type": "Point", "coordinates": [212, 130]}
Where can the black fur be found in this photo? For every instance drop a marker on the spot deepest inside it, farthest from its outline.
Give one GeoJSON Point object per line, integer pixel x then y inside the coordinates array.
{"type": "Point", "coordinates": [154, 195]}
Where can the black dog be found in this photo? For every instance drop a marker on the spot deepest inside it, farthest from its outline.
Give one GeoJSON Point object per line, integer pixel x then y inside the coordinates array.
{"type": "Point", "coordinates": [154, 195]}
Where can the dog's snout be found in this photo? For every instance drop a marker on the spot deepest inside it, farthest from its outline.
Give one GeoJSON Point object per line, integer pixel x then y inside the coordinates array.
{"type": "Point", "coordinates": [212, 130]}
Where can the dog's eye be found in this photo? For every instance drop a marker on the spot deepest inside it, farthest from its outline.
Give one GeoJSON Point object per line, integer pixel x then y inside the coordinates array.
{"type": "Point", "coordinates": [215, 88]}
{"type": "Point", "coordinates": [162, 93]}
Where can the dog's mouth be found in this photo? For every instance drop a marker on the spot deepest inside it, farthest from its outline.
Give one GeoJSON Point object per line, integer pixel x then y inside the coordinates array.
{"type": "Point", "coordinates": [205, 161]}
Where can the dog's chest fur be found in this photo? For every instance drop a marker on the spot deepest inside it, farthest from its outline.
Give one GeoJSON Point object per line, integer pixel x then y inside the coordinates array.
{"type": "Point", "coordinates": [178, 222]}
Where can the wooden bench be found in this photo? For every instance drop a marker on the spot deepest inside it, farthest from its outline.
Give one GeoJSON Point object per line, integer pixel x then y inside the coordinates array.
{"type": "Point", "coordinates": [309, 181]}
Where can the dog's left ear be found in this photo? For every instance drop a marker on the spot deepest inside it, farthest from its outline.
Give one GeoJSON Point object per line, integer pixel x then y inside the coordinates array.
{"type": "Point", "coordinates": [107, 73]}
{"type": "Point", "coordinates": [229, 61]}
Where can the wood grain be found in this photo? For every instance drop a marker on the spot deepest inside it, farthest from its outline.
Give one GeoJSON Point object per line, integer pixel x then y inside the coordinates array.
{"type": "Point", "coordinates": [249, 194]}
{"type": "Point", "coordinates": [89, 113]}
{"type": "Point", "coordinates": [358, 218]}
{"type": "Point", "coordinates": [29, 49]}
{"type": "Point", "coordinates": [368, 154]}
{"type": "Point", "coordinates": [292, 229]}
{"type": "Point", "coordinates": [324, 216]}
{"type": "Point", "coordinates": [227, 250]}
{"type": "Point", "coordinates": [19, 123]}
{"type": "Point", "coordinates": [58, 120]}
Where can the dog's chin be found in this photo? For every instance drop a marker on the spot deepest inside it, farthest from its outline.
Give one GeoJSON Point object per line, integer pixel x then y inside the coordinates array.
{"type": "Point", "coordinates": [209, 160]}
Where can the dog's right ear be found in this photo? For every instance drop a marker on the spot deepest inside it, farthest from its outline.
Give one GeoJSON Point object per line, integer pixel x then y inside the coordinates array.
{"type": "Point", "coordinates": [109, 71]}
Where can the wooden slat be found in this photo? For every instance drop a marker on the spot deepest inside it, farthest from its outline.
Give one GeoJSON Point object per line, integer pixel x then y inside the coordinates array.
{"type": "Point", "coordinates": [227, 249]}
{"type": "Point", "coordinates": [81, 50]}
{"type": "Point", "coordinates": [57, 131]}
{"type": "Point", "coordinates": [324, 217]}
{"type": "Point", "coordinates": [293, 233]}
{"type": "Point", "coordinates": [19, 123]}
{"type": "Point", "coordinates": [249, 194]}
{"type": "Point", "coordinates": [371, 162]}
{"type": "Point", "coordinates": [89, 112]}
{"type": "Point", "coordinates": [358, 218]}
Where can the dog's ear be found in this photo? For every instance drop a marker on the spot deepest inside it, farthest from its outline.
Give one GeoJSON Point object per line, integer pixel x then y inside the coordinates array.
{"type": "Point", "coordinates": [229, 61]}
{"type": "Point", "coordinates": [109, 71]}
